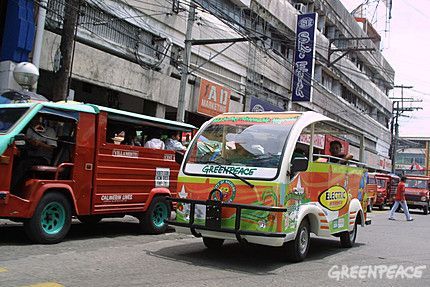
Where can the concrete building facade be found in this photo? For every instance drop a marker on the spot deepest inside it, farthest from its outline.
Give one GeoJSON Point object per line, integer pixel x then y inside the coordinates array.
{"type": "Point", "coordinates": [128, 55]}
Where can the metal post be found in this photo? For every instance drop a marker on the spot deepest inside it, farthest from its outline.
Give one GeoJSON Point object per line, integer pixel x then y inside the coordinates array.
{"type": "Point", "coordinates": [41, 16]}
{"type": "Point", "coordinates": [396, 135]}
{"type": "Point", "coordinates": [180, 116]}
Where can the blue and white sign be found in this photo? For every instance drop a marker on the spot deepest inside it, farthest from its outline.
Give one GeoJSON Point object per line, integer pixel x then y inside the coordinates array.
{"type": "Point", "coordinates": [304, 57]}
{"type": "Point", "coordinates": [258, 105]}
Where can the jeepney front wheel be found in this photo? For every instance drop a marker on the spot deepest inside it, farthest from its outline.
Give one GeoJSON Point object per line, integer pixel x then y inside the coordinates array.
{"type": "Point", "coordinates": [298, 248]}
{"type": "Point", "coordinates": [213, 243]}
{"type": "Point", "coordinates": [153, 220]}
{"type": "Point", "coordinates": [426, 209]}
{"type": "Point", "coordinates": [347, 238]}
{"type": "Point", "coordinates": [51, 220]}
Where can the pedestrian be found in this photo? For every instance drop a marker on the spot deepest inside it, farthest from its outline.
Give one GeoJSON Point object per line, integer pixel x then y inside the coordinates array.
{"type": "Point", "coordinates": [400, 199]}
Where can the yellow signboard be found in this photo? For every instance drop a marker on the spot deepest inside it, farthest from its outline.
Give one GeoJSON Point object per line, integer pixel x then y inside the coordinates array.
{"type": "Point", "coordinates": [334, 198]}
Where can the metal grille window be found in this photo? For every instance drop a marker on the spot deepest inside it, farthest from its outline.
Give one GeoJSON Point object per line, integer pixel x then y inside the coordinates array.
{"type": "Point", "coordinates": [108, 32]}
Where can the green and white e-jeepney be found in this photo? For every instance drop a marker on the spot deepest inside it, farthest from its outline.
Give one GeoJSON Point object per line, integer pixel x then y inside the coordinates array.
{"type": "Point", "coordinates": [264, 178]}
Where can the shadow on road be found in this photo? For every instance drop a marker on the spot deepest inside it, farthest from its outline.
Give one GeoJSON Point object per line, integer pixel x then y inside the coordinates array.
{"type": "Point", "coordinates": [253, 259]}
{"type": "Point", "coordinates": [13, 233]}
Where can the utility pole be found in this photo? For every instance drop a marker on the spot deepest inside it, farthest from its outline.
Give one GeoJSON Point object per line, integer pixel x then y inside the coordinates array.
{"type": "Point", "coordinates": [398, 109]}
{"type": "Point", "coordinates": [180, 115]}
{"type": "Point", "coordinates": [62, 77]}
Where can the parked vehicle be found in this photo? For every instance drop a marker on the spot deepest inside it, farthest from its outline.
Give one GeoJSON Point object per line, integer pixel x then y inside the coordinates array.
{"type": "Point", "coordinates": [98, 168]}
{"type": "Point", "coordinates": [248, 177]}
{"type": "Point", "coordinates": [417, 192]}
{"type": "Point", "coordinates": [371, 191]}
{"type": "Point", "coordinates": [386, 189]}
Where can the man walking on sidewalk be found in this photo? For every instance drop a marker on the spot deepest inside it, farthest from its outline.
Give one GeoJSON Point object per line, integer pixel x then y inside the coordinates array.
{"type": "Point", "coordinates": [400, 199]}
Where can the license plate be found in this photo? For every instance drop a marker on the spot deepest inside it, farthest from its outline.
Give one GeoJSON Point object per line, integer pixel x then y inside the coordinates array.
{"type": "Point", "coordinates": [411, 202]}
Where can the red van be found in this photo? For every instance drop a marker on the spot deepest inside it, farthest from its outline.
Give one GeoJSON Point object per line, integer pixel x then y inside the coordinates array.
{"type": "Point", "coordinates": [64, 160]}
{"type": "Point", "coordinates": [417, 192]}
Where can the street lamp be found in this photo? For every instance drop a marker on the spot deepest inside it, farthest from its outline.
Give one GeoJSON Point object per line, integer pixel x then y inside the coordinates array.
{"type": "Point", "coordinates": [26, 75]}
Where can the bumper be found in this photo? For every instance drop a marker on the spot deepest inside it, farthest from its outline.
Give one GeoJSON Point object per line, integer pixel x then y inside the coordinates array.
{"type": "Point", "coordinates": [416, 203]}
{"type": "Point", "coordinates": [213, 221]}
{"type": "Point", "coordinates": [12, 206]}
{"type": "Point", "coordinates": [3, 196]}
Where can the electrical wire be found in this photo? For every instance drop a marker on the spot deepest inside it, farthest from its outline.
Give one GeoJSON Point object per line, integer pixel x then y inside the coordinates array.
{"type": "Point", "coordinates": [257, 47]}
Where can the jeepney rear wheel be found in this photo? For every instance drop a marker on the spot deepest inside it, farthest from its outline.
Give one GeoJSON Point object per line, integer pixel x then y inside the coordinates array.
{"type": "Point", "coordinates": [213, 243]}
{"type": "Point", "coordinates": [347, 238]}
{"type": "Point", "coordinates": [51, 220]}
{"type": "Point", "coordinates": [153, 220]}
{"type": "Point", "coordinates": [298, 248]}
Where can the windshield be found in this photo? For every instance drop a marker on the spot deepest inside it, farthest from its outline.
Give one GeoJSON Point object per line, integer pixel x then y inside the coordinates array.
{"type": "Point", "coordinates": [371, 180]}
{"type": "Point", "coordinates": [9, 116]}
{"type": "Point", "coordinates": [416, 183]}
{"type": "Point", "coordinates": [380, 182]}
{"type": "Point", "coordinates": [249, 146]}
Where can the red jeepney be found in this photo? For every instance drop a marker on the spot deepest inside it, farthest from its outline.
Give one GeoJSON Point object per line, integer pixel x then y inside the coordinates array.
{"type": "Point", "coordinates": [386, 189]}
{"type": "Point", "coordinates": [417, 192]}
{"type": "Point", "coordinates": [99, 167]}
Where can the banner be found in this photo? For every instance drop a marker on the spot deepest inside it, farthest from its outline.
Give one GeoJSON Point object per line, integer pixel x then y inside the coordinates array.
{"type": "Point", "coordinates": [304, 57]}
{"type": "Point", "coordinates": [214, 99]}
{"type": "Point", "coordinates": [258, 105]}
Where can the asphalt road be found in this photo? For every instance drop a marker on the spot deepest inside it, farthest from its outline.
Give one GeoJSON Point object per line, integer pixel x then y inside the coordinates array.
{"type": "Point", "coordinates": [113, 253]}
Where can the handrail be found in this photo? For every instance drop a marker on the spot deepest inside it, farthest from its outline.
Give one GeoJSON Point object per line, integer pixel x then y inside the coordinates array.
{"type": "Point", "coordinates": [349, 162]}
{"type": "Point", "coordinates": [60, 167]}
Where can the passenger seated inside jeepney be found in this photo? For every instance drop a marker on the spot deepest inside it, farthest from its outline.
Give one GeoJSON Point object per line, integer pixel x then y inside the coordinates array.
{"type": "Point", "coordinates": [336, 153]}
{"type": "Point", "coordinates": [154, 141]}
{"type": "Point", "coordinates": [131, 137]}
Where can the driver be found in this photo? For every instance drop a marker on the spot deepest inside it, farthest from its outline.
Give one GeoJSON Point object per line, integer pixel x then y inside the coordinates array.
{"type": "Point", "coordinates": [42, 142]}
{"type": "Point", "coordinates": [42, 139]}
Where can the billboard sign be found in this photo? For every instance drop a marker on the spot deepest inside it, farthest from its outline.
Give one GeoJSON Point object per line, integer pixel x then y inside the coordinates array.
{"type": "Point", "coordinates": [304, 57]}
{"type": "Point", "coordinates": [258, 105]}
{"type": "Point", "coordinates": [214, 99]}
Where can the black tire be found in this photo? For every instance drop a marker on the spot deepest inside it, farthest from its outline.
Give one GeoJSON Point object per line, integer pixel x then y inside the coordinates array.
{"type": "Point", "coordinates": [90, 219]}
{"type": "Point", "coordinates": [426, 209]}
{"type": "Point", "coordinates": [213, 243]}
{"type": "Point", "coordinates": [298, 248]}
{"type": "Point", "coordinates": [51, 220]}
{"type": "Point", "coordinates": [370, 207]}
{"type": "Point", "coordinates": [153, 220]}
{"type": "Point", "coordinates": [382, 206]}
{"type": "Point", "coordinates": [347, 239]}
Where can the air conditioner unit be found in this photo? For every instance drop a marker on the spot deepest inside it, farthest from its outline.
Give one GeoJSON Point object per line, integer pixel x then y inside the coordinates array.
{"type": "Point", "coordinates": [301, 8]}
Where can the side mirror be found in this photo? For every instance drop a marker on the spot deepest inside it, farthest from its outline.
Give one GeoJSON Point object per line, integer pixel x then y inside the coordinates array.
{"type": "Point", "coordinates": [179, 157]}
{"type": "Point", "coordinates": [299, 164]}
{"type": "Point", "coordinates": [19, 140]}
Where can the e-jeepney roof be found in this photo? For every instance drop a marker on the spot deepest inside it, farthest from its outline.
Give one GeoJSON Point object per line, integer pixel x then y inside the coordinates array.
{"type": "Point", "coordinates": [304, 119]}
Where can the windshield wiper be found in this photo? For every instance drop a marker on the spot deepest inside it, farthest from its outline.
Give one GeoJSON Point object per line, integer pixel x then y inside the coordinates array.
{"type": "Point", "coordinates": [230, 172]}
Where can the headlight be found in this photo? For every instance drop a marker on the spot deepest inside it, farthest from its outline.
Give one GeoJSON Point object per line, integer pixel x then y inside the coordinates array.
{"type": "Point", "coordinates": [423, 198]}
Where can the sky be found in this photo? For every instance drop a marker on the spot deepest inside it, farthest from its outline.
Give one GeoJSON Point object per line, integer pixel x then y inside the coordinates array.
{"type": "Point", "coordinates": [406, 46]}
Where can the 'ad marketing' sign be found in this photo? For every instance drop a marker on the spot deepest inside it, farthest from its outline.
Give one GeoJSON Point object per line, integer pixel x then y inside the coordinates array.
{"type": "Point", "coordinates": [304, 57]}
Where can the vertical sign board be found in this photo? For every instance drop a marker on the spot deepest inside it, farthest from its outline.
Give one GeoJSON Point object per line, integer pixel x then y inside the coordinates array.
{"type": "Point", "coordinates": [304, 57]}
{"type": "Point", "coordinates": [258, 105]}
{"type": "Point", "coordinates": [214, 99]}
